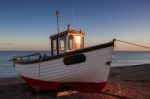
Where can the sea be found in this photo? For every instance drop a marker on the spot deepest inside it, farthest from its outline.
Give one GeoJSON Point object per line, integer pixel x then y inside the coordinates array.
{"type": "Point", "coordinates": [119, 58]}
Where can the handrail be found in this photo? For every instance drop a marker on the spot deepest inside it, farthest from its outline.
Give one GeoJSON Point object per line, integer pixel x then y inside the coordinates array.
{"type": "Point", "coordinates": [31, 57]}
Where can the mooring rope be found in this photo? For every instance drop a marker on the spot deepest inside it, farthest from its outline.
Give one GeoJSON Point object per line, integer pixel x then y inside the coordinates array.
{"type": "Point", "coordinates": [133, 44]}
{"type": "Point", "coordinates": [146, 47]}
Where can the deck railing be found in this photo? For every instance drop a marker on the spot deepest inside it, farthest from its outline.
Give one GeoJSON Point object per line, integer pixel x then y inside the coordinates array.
{"type": "Point", "coordinates": [28, 58]}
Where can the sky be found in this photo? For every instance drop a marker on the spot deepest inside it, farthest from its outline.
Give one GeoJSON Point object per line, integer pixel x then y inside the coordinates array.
{"type": "Point", "coordinates": [25, 25]}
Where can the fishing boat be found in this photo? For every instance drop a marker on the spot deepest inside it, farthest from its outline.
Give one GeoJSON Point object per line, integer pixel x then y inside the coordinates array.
{"type": "Point", "coordinates": [70, 64]}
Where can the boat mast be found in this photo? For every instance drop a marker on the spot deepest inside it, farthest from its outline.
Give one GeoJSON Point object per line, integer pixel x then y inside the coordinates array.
{"type": "Point", "coordinates": [57, 42]}
{"type": "Point", "coordinates": [57, 15]}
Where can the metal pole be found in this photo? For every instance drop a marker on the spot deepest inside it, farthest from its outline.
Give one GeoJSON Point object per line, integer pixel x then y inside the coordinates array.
{"type": "Point", "coordinates": [57, 14]}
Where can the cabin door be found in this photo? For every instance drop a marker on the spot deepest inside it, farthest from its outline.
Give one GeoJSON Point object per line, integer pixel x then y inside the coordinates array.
{"type": "Point", "coordinates": [58, 45]}
{"type": "Point", "coordinates": [62, 45]}
{"type": "Point", "coordinates": [54, 48]}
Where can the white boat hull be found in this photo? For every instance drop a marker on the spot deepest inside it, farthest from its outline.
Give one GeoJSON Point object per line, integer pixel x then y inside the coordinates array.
{"type": "Point", "coordinates": [54, 73]}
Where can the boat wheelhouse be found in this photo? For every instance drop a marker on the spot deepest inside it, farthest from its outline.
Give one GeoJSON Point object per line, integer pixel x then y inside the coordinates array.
{"type": "Point", "coordinates": [69, 40]}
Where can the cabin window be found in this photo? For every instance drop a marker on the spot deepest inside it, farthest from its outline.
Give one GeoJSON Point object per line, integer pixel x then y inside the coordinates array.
{"type": "Point", "coordinates": [82, 42]}
{"type": "Point", "coordinates": [62, 43]}
{"type": "Point", "coordinates": [70, 42]}
{"type": "Point", "coordinates": [77, 42]}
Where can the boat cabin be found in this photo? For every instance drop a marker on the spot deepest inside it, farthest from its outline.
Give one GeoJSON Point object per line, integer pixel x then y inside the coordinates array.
{"type": "Point", "coordinates": [69, 40]}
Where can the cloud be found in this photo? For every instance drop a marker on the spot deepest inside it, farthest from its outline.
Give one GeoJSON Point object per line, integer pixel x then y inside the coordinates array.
{"type": "Point", "coordinates": [6, 44]}
{"type": "Point", "coordinates": [10, 43]}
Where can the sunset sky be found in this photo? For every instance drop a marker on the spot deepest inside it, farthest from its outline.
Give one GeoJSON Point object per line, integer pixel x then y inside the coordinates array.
{"type": "Point", "coordinates": [27, 24]}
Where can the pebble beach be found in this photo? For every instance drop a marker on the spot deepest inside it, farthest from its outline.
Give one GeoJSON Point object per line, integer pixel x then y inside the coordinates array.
{"type": "Point", "coordinates": [125, 82]}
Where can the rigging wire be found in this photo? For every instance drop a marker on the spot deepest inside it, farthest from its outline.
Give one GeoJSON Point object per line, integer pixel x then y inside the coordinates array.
{"type": "Point", "coordinates": [73, 16]}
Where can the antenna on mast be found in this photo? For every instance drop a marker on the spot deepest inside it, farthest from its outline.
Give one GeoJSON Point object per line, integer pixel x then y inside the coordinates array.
{"type": "Point", "coordinates": [57, 15]}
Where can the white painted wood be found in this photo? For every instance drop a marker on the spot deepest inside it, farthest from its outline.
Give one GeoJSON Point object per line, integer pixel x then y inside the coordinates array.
{"type": "Point", "coordinates": [94, 69]}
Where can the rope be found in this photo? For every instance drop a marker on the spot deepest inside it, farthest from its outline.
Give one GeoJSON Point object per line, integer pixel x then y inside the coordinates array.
{"type": "Point", "coordinates": [133, 44]}
{"type": "Point", "coordinates": [119, 91]}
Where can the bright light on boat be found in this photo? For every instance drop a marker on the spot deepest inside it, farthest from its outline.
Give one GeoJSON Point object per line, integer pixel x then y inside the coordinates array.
{"type": "Point", "coordinates": [77, 42]}
{"type": "Point", "coordinates": [77, 39]}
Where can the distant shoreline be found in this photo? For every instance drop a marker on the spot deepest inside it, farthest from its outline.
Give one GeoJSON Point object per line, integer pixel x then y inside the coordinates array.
{"type": "Point", "coordinates": [130, 65]}
{"type": "Point", "coordinates": [50, 51]}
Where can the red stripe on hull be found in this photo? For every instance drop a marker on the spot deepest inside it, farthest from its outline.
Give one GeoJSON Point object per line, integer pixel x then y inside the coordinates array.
{"type": "Point", "coordinates": [79, 86]}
